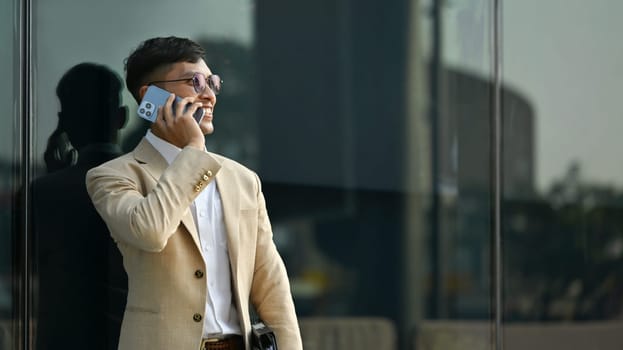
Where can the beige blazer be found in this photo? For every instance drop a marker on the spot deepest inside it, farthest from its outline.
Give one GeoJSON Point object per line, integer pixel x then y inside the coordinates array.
{"type": "Point", "coordinates": [145, 204]}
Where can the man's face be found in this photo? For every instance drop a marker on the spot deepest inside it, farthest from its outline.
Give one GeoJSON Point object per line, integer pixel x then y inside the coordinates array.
{"type": "Point", "coordinates": [182, 70]}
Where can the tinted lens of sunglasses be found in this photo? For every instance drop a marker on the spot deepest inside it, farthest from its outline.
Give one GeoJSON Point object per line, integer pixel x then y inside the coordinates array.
{"type": "Point", "coordinates": [213, 82]}
{"type": "Point", "coordinates": [199, 83]}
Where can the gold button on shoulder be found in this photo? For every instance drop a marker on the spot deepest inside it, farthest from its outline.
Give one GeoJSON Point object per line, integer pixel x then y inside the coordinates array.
{"type": "Point", "coordinates": [197, 317]}
{"type": "Point", "coordinates": [209, 173]}
{"type": "Point", "coordinates": [206, 177]}
{"type": "Point", "coordinates": [198, 273]}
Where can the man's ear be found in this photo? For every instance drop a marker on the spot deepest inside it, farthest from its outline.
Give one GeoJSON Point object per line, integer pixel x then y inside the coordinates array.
{"type": "Point", "coordinates": [142, 90]}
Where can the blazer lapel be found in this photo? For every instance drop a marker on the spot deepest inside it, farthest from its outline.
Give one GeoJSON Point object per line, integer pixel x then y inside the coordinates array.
{"type": "Point", "coordinates": [155, 164]}
{"type": "Point", "coordinates": [230, 198]}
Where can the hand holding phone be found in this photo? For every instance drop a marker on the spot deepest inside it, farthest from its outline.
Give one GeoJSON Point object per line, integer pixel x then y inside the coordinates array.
{"type": "Point", "coordinates": [156, 97]}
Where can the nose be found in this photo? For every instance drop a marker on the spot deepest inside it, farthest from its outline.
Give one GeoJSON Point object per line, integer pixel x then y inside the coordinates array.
{"type": "Point", "coordinates": [208, 94]}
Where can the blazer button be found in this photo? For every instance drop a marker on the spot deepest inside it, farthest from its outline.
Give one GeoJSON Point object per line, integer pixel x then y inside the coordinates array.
{"type": "Point", "coordinates": [206, 177]}
{"type": "Point", "coordinates": [198, 273]}
{"type": "Point", "coordinates": [197, 317]}
{"type": "Point", "coordinates": [209, 173]}
{"type": "Point", "coordinates": [197, 188]}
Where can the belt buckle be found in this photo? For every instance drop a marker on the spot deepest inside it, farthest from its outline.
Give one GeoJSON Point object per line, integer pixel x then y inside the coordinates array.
{"type": "Point", "coordinates": [206, 341]}
{"type": "Point", "coordinates": [210, 340]}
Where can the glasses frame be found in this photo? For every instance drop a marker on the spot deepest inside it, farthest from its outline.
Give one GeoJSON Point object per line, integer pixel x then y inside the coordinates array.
{"type": "Point", "coordinates": [208, 82]}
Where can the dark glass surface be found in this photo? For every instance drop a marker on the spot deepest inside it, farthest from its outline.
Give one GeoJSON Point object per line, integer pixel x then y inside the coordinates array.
{"type": "Point", "coordinates": [10, 163]}
{"type": "Point", "coordinates": [370, 124]}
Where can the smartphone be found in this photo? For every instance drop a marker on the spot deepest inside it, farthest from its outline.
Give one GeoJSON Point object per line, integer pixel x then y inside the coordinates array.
{"type": "Point", "coordinates": [156, 97]}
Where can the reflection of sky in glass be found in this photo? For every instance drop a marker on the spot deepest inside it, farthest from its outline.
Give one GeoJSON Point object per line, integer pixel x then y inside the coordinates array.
{"type": "Point", "coordinates": [564, 57]}
{"type": "Point", "coordinates": [64, 35]}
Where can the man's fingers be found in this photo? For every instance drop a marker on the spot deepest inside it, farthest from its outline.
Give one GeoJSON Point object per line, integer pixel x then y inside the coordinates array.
{"type": "Point", "coordinates": [159, 115]}
{"type": "Point", "coordinates": [181, 105]}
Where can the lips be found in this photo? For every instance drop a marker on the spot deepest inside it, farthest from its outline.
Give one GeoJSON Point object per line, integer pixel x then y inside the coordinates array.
{"type": "Point", "coordinates": [208, 111]}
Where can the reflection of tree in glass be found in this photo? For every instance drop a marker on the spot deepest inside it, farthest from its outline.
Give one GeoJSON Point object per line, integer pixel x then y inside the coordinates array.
{"type": "Point", "coordinates": [565, 262]}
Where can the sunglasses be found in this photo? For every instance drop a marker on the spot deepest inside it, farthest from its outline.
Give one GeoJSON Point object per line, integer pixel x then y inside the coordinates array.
{"type": "Point", "coordinates": [200, 82]}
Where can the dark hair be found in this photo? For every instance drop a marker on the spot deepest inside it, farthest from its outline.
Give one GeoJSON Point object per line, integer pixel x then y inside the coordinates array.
{"type": "Point", "coordinates": [155, 53]}
{"type": "Point", "coordinates": [90, 98]}
{"type": "Point", "coordinates": [90, 101]}
{"type": "Point", "coordinates": [59, 153]}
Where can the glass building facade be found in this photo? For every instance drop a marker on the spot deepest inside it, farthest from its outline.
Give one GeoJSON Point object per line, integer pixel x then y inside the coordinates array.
{"type": "Point", "coordinates": [438, 174]}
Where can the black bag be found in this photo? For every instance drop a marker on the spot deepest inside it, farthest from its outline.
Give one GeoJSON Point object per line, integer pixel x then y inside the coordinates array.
{"type": "Point", "coordinates": [262, 337]}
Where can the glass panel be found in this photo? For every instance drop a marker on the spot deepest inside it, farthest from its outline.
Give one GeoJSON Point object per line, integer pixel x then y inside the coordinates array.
{"type": "Point", "coordinates": [564, 181]}
{"type": "Point", "coordinates": [9, 163]}
{"type": "Point", "coordinates": [382, 193]}
{"type": "Point", "coordinates": [80, 49]}
{"type": "Point", "coordinates": [368, 123]}
{"type": "Point", "coordinates": [456, 42]}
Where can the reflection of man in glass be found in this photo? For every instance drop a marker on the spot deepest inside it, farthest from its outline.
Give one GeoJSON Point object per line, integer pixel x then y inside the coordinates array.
{"type": "Point", "coordinates": [81, 282]}
{"type": "Point", "coordinates": [191, 225]}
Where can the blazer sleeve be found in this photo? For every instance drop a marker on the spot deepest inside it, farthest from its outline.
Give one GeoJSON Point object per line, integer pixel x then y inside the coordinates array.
{"type": "Point", "coordinates": [147, 220]}
{"type": "Point", "coordinates": [270, 289]}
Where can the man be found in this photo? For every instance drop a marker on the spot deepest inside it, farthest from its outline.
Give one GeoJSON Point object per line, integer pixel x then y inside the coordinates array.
{"type": "Point", "coordinates": [79, 269]}
{"type": "Point", "coordinates": [191, 225]}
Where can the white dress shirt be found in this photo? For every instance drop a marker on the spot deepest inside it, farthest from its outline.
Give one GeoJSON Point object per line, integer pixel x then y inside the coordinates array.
{"type": "Point", "coordinates": [220, 315]}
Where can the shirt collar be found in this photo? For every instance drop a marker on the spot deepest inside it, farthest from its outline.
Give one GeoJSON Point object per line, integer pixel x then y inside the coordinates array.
{"type": "Point", "coordinates": [167, 150]}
